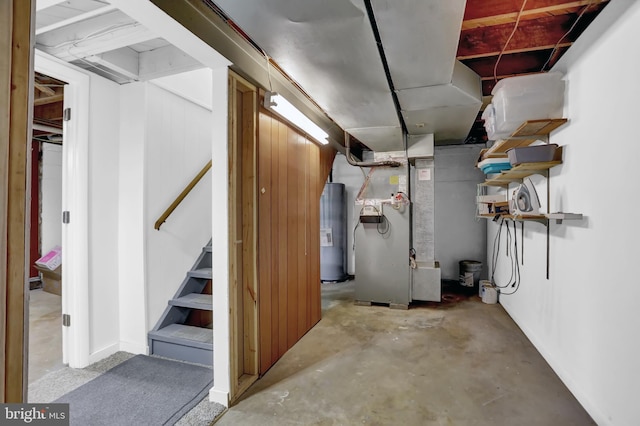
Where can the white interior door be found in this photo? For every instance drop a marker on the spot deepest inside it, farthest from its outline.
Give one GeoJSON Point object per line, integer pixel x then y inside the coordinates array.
{"type": "Point", "coordinates": [75, 291]}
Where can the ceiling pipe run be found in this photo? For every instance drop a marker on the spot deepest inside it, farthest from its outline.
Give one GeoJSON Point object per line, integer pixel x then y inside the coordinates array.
{"type": "Point", "coordinates": [350, 160]}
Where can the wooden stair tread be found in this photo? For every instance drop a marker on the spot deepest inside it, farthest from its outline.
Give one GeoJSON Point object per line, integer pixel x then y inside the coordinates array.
{"type": "Point", "coordinates": [201, 273]}
{"type": "Point", "coordinates": [186, 335]}
{"type": "Point", "coordinates": [194, 300]}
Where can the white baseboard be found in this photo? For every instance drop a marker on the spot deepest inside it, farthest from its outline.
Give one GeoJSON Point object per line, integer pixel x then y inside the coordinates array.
{"type": "Point", "coordinates": [134, 348]}
{"type": "Point", "coordinates": [221, 397]}
{"type": "Point", "coordinates": [103, 353]}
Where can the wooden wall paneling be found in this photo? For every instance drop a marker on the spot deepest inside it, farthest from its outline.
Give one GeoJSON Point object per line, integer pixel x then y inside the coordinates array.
{"type": "Point", "coordinates": [249, 236]}
{"type": "Point", "coordinates": [327, 156]}
{"type": "Point", "coordinates": [301, 229]}
{"type": "Point", "coordinates": [16, 96]}
{"type": "Point", "coordinates": [264, 239]}
{"type": "Point", "coordinates": [283, 225]}
{"type": "Point", "coordinates": [275, 222]}
{"type": "Point", "coordinates": [314, 241]}
{"type": "Point", "coordinates": [293, 174]}
{"type": "Point", "coordinates": [290, 169]}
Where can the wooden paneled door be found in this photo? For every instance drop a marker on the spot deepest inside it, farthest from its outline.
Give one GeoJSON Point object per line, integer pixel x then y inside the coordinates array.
{"type": "Point", "coordinates": [242, 236]}
{"type": "Point", "coordinates": [292, 171]}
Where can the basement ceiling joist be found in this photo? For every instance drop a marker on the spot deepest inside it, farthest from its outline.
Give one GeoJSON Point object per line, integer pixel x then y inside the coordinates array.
{"type": "Point", "coordinates": [98, 36]}
{"type": "Point", "coordinates": [544, 24]}
{"type": "Point", "coordinates": [330, 50]}
{"type": "Point", "coordinates": [545, 31]}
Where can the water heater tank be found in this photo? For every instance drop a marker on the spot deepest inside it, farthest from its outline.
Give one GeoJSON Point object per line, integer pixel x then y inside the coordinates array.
{"type": "Point", "coordinates": [333, 233]}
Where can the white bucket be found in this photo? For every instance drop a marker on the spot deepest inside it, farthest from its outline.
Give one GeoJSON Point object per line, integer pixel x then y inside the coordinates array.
{"type": "Point", "coordinates": [481, 287]}
{"type": "Point", "coordinates": [489, 294]}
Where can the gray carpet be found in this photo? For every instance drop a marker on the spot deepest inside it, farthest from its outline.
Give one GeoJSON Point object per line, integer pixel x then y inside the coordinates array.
{"type": "Point", "coordinates": [142, 390]}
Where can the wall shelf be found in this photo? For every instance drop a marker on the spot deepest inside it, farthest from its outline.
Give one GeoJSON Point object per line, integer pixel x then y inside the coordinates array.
{"type": "Point", "coordinates": [528, 218]}
{"type": "Point", "coordinates": [529, 132]}
{"type": "Point", "coordinates": [521, 171]}
{"type": "Point", "coordinates": [543, 218]}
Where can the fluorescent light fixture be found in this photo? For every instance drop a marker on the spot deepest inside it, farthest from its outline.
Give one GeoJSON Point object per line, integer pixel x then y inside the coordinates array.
{"type": "Point", "coordinates": [276, 103]}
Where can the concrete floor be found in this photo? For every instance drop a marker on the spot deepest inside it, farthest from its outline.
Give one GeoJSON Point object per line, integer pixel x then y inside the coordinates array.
{"type": "Point", "coordinates": [461, 363]}
{"type": "Point", "coordinates": [45, 334]}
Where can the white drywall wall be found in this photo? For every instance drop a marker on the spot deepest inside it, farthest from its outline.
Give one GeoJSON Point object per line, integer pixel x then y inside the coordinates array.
{"type": "Point", "coordinates": [51, 197]}
{"type": "Point", "coordinates": [585, 319]}
{"type": "Point", "coordinates": [131, 219]}
{"type": "Point", "coordinates": [220, 233]}
{"type": "Point", "coordinates": [103, 167]}
{"type": "Point", "coordinates": [458, 235]}
{"type": "Point", "coordinates": [194, 86]}
{"type": "Point", "coordinates": [178, 145]}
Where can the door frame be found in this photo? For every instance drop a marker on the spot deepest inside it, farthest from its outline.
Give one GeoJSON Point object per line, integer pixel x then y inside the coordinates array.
{"type": "Point", "coordinates": [243, 278]}
{"type": "Point", "coordinates": [75, 199]}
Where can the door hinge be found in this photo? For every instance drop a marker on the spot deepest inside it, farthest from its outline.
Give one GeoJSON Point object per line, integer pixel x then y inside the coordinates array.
{"type": "Point", "coordinates": [66, 115]}
{"type": "Point", "coordinates": [66, 320]}
{"type": "Point", "coordinates": [66, 216]}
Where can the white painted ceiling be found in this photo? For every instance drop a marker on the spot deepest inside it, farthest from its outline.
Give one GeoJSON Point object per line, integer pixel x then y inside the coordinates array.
{"type": "Point", "coordinates": [98, 36]}
{"type": "Point", "coordinates": [328, 47]}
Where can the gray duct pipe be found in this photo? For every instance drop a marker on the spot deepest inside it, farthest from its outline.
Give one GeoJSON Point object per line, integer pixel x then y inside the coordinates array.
{"type": "Point", "coordinates": [350, 160]}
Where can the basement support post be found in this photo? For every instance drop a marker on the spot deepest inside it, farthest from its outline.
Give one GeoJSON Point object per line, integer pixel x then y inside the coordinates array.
{"type": "Point", "coordinates": [16, 96]}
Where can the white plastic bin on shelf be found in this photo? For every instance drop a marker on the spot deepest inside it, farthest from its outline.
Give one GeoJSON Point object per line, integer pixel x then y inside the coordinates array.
{"type": "Point", "coordinates": [489, 117]}
{"type": "Point", "coordinates": [529, 97]}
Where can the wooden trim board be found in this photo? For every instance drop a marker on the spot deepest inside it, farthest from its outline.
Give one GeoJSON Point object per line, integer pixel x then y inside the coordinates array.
{"type": "Point", "coordinates": [243, 235]}
{"type": "Point", "coordinates": [16, 82]}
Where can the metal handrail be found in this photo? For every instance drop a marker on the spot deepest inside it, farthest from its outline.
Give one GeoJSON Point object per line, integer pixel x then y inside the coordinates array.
{"type": "Point", "coordinates": [182, 196]}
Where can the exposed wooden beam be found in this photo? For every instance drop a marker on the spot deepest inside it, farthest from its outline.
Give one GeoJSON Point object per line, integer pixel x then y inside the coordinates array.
{"type": "Point", "coordinates": [50, 111]}
{"type": "Point", "coordinates": [500, 77]}
{"type": "Point", "coordinates": [530, 35]}
{"type": "Point", "coordinates": [517, 63]}
{"type": "Point", "coordinates": [16, 93]}
{"type": "Point", "coordinates": [512, 51]}
{"type": "Point", "coordinates": [48, 99]}
{"type": "Point", "coordinates": [44, 89]}
{"type": "Point", "coordinates": [510, 17]}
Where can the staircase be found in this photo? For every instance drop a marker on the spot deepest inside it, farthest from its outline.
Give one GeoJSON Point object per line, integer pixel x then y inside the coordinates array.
{"type": "Point", "coordinates": [185, 329]}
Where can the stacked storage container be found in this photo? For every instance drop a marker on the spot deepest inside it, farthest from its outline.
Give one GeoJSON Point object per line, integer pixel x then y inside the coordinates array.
{"type": "Point", "coordinates": [518, 99]}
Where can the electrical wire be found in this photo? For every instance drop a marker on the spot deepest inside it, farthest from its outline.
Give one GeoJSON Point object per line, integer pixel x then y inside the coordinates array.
{"type": "Point", "coordinates": [555, 48]}
{"type": "Point", "coordinates": [515, 27]}
{"type": "Point", "coordinates": [513, 284]}
{"type": "Point", "coordinates": [268, 68]}
{"type": "Point", "coordinates": [388, 227]}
